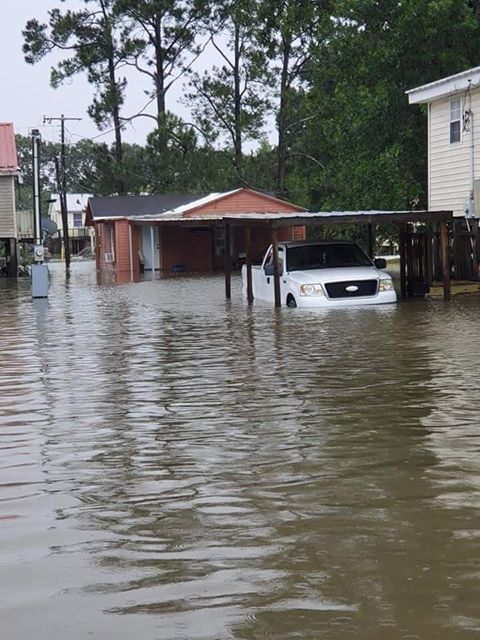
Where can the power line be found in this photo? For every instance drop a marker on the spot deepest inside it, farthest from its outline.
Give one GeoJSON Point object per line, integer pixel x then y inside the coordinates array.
{"type": "Point", "coordinates": [62, 182]}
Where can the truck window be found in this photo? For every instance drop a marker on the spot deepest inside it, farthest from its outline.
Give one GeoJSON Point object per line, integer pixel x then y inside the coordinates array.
{"type": "Point", "coordinates": [326, 256]}
{"type": "Point", "coordinates": [269, 260]}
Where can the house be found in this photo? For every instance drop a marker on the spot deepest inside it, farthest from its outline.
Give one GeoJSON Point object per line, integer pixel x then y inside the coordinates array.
{"type": "Point", "coordinates": [81, 237]}
{"type": "Point", "coordinates": [177, 232]}
{"type": "Point", "coordinates": [453, 107]}
{"type": "Point", "coordinates": [8, 172]}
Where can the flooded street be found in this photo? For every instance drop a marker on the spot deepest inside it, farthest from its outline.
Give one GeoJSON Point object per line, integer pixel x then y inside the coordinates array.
{"type": "Point", "coordinates": [175, 467]}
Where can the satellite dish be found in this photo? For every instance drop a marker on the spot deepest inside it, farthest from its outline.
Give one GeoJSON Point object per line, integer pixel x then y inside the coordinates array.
{"type": "Point", "coordinates": [49, 226]}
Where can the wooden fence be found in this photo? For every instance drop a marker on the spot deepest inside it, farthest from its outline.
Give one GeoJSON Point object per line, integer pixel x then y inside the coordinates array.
{"type": "Point", "coordinates": [422, 255]}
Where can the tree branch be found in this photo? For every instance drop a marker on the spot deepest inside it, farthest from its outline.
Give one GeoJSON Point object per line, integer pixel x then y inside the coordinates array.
{"type": "Point", "coordinates": [305, 155]}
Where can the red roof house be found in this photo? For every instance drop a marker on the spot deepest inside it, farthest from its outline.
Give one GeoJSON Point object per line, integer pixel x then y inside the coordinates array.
{"type": "Point", "coordinates": [8, 171]}
{"type": "Point", "coordinates": [178, 232]}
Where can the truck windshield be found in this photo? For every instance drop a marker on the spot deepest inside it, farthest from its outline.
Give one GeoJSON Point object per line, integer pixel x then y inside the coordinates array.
{"type": "Point", "coordinates": [326, 256]}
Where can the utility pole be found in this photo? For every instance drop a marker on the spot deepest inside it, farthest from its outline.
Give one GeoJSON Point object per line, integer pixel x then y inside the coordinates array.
{"type": "Point", "coordinates": [62, 184]}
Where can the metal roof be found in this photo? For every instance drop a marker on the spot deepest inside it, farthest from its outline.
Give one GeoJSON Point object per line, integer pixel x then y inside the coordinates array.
{"type": "Point", "coordinates": [445, 86]}
{"type": "Point", "coordinates": [203, 200]}
{"type": "Point", "coordinates": [8, 149]}
{"type": "Point", "coordinates": [299, 219]}
{"type": "Point", "coordinates": [336, 217]}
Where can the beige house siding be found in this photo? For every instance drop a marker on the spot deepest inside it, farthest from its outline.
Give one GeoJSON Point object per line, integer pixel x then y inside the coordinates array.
{"type": "Point", "coordinates": [449, 164]}
{"type": "Point", "coordinates": [25, 224]}
{"type": "Point", "coordinates": [8, 227]}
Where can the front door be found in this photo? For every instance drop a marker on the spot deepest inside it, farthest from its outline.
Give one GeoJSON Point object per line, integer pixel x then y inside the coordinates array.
{"type": "Point", "coordinates": [150, 247]}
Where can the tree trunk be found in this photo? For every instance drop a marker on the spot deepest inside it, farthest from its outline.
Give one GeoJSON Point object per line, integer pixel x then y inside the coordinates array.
{"type": "Point", "coordinates": [237, 99]}
{"type": "Point", "coordinates": [119, 182]}
{"type": "Point", "coordinates": [282, 117]}
{"type": "Point", "coordinates": [159, 71]}
{"type": "Point", "coordinates": [159, 85]}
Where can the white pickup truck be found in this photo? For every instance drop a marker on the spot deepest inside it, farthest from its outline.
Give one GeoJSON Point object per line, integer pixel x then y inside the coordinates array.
{"type": "Point", "coordinates": [322, 274]}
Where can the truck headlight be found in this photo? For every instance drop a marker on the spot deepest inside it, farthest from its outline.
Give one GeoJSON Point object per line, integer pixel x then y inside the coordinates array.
{"type": "Point", "coordinates": [311, 290]}
{"type": "Point", "coordinates": [386, 284]}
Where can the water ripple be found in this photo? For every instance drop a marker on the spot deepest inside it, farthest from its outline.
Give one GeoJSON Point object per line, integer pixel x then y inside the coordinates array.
{"type": "Point", "coordinates": [176, 467]}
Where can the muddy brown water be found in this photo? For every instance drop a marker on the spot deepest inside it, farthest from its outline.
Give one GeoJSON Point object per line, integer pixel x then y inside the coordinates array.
{"type": "Point", "coordinates": [175, 467]}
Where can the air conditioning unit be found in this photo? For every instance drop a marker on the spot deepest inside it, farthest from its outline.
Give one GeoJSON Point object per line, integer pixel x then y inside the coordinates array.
{"type": "Point", "coordinates": [109, 257]}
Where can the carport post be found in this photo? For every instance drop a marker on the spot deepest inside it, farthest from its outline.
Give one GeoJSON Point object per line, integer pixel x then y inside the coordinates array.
{"type": "Point", "coordinates": [228, 264]}
{"type": "Point", "coordinates": [152, 248]}
{"type": "Point", "coordinates": [130, 249]}
{"type": "Point", "coordinates": [371, 240]}
{"type": "Point", "coordinates": [276, 270]}
{"type": "Point", "coordinates": [403, 269]}
{"type": "Point", "coordinates": [248, 262]}
{"type": "Point", "coordinates": [445, 261]}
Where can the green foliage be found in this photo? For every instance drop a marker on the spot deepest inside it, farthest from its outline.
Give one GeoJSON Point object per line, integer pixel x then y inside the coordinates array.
{"type": "Point", "coordinates": [333, 73]}
{"type": "Point", "coordinates": [95, 44]}
{"type": "Point", "coordinates": [373, 144]}
{"type": "Point", "coordinates": [159, 35]}
{"type": "Point", "coordinates": [230, 102]}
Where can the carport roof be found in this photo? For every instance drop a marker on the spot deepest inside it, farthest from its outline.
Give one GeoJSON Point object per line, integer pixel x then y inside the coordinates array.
{"type": "Point", "coordinates": [317, 218]}
{"type": "Point", "coordinates": [338, 217]}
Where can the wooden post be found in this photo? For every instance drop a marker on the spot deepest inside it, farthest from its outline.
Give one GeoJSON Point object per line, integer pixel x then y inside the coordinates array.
{"type": "Point", "coordinates": [409, 250]}
{"type": "Point", "coordinates": [64, 212]}
{"type": "Point", "coordinates": [276, 270]}
{"type": "Point", "coordinates": [371, 240]}
{"type": "Point", "coordinates": [429, 256]}
{"type": "Point", "coordinates": [228, 262]}
{"type": "Point", "coordinates": [403, 270]}
{"type": "Point", "coordinates": [11, 253]}
{"type": "Point", "coordinates": [152, 249]}
{"type": "Point", "coordinates": [445, 260]}
{"type": "Point", "coordinates": [130, 249]}
{"type": "Point", "coordinates": [248, 262]}
{"type": "Point", "coordinates": [474, 227]}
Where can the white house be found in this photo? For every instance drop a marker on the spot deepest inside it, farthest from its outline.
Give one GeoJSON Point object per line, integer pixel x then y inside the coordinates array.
{"type": "Point", "coordinates": [80, 235]}
{"type": "Point", "coordinates": [453, 140]}
{"type": "Point", "coordinates": [76, 209]}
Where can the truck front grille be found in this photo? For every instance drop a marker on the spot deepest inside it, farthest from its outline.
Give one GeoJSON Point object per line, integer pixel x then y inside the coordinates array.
{"type": "Point", "coordinates": [352, 289]}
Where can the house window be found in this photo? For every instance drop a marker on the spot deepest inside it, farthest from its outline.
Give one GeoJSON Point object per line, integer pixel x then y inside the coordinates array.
{"type": "Point", "coordinates": [455, 120]}
{"type": "Point", "coordinates": [77, 219]}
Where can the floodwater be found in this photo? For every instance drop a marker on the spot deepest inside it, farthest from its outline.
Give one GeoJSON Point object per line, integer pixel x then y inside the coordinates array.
{"type": "Point", "coordinates": [175, 467]}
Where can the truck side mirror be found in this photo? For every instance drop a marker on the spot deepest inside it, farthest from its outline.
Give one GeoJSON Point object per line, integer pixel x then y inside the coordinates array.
{"type": "Point", "coordinates": [380, 263]}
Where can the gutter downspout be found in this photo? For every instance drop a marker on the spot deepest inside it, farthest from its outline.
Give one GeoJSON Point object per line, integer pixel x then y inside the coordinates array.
{"type": "Point", "coordinates": [472, 164]}
{"type": "Point", "coordinates": [470, 212]}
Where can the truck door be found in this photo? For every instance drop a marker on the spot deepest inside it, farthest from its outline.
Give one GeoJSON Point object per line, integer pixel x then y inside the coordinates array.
{"type": "Point", "coordinates": [266, 276]}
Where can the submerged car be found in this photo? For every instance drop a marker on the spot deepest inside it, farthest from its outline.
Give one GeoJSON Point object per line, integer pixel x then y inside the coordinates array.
{"type": "Point", "coordinates": [322, 274]}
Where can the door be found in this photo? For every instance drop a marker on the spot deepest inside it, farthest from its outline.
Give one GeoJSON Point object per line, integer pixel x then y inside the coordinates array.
{"type": "Point", "coordinates": [150, 247]}
{"type": "Point", "coordinates": [265, 277]}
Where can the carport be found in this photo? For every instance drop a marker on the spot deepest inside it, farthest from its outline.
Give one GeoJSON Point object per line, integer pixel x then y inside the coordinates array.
{"type": "Point", "coordinates": [416, 258]}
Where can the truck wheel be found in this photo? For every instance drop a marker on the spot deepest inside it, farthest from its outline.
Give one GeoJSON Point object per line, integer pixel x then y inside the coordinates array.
{"type": "Point", "coordinates": [291, 301]}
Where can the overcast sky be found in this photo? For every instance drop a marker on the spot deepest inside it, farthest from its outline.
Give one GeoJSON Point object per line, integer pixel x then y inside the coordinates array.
{"type": "Point", "coordinates": [26, 95]}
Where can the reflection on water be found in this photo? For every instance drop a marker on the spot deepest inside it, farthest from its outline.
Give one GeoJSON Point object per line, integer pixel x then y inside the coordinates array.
{"type": "Point", "coordinates": [176, 467]}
